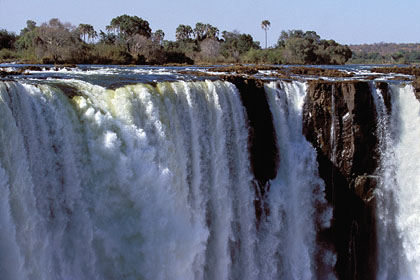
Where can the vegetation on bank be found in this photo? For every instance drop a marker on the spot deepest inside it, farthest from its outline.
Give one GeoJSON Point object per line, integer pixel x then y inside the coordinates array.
{"type": "Point", "coordinates": [385, 53]}
{"type": "Point", "coordinates": [130, 40]}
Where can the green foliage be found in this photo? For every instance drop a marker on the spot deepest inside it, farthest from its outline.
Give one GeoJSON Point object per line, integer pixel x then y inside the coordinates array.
{"type": "Point", "coordinates": [386, 54]}
{"type": "Point", "coordinates": [27, 36]}
{"type": "Point", "coordinates": [203, 31]}
{"type": "Point", "coordinates": [109, 54]}
{"type": "Point", "coordinates": [7, 39]}
{"type": "Point", "coordinates": [127, 26]}
{"type": "Point", "coordinates": [330, 52]}
{"type": "Point", "coordinates": [188, 46]}
{"type": "Point", "coordinates": [258, 56]}
{"type": "Point", "coordinates": [158, 36]}
{"type": "Point", "coordinates": [127, 30]}
{"type": "Point", "coordinates": [183, 32]}
{"type": "Point", "coordinates": [58, 42]}
{"type": "Point", "coordinates": [147, 49]}
{"type": "Point", "coordinates": [30, 26]}
{"type": "Point", "coordinates": [8, 54]}
{"type": "Point", "coordinates": [107, 38]}
{"type": "Point", "coordinates": [178, 58]}
{"type": "Point", "coordinates": [308, 48]}
{"type": "Point", "coordinates": [86, 30]}
{"type": "Point", "coordinates": [236, 44]}
{"type": "Point", "coordinates": [129, 39]}
{"type": "Point", "coordinates": [265, 24]}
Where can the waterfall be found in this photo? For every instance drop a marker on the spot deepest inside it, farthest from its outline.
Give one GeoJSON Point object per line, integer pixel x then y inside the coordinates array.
{"type": "Point", "coordinates": [397, 201]}
{"type": "Point", "coordinates": [140, 181]}
{"type": "Point", "coordinates": [388, 240]}
{"type": "Point", "coordinates": [295, 194]}
{"type": "Point", "coordinates": [153, 182]}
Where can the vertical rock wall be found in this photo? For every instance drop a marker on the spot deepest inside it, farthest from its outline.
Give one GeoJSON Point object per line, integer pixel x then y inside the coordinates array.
{"type": "Point", "coordinates": [339, 120]}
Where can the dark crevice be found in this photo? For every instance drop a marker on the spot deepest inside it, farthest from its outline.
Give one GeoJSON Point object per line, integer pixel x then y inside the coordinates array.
{"type": "Point", "coordinates": [262, 137]}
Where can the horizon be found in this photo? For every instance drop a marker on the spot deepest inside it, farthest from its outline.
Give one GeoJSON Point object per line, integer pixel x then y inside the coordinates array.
{"type": "Point", "coordinates": [353, 24]}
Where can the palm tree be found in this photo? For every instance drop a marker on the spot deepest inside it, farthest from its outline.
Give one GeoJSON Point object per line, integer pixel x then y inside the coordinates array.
{"type": "Point", "coordinates": [92, 34]}
{"type": "Point", "coordinates": [87, 29]}
{"type": "Point", "coordinates": [265, 24]}
{"type": "Point", "coordinates": [183, 32]}
{"type": "Point", "coordinates": [158, 36]}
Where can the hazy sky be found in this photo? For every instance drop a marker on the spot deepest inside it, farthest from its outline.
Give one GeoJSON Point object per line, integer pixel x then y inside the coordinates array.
{"type": "Point", "coordinates": [348, 22]}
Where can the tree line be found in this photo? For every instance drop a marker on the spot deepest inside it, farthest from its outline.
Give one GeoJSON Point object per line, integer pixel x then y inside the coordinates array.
{"type": "Point", "coordinates": [385, 53]}
{"type": "Point", "coordinates": [130, 40]}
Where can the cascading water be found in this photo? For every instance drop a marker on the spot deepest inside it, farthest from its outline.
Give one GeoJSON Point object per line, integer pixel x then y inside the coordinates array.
{"type": "Point", "coordinates": [153, 182]}
{"type": "Point", "coordinates": [399, 183]}
{"type": "Point", "coordinates": [295, 194]}
{"type": "Point", "coordinates": [388, 266]}
{"type": "Point", "coordinates": [126, 183]}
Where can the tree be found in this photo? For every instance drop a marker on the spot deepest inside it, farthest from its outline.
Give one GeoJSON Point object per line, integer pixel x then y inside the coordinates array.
{"type": "Point", "coordinates": [265, 25]}
{"type": "Point", "coordinates": [330, 52]}
{"type": "Point", "coordinates": [146, 50]}
{"type": "Point", "coordinates": [57, 42]}
{"type": "Point", "coordinates": [127, 26]}
{"type": "Point", "coordinates": [301, 47]}
{"type": "Point", "coordinates": [92, 34]}
{"type": "Point", "coordinates": [203, 31]}
{"type": "Point", "coordinates": [87, 30]}
{"type": "Point", "coordinates": [158, 36]}
{"type": "Point", "coordinates": [107, 38]}
{"type": "Point", "coordinates": [200, 31]}
{"type": "Point", "coordinates": [211, 31]}
{"type": "Point", "coordinates": [291, 34]}
{"type": "Point", "coordinates": [30, 26]}
{"type": "Point", "coordinates": [235, 44]}
{"type": "Point", "coordinates": [183, 32]}
{"type": "Point", "coordinates": [7, 39]}
{"type": "Point", "coordinates": [27, 36]}
{"type": "Point", "coordinates": [210, 48]}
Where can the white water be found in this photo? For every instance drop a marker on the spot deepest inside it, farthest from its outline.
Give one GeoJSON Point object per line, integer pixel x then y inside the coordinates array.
{"type": "Point", "coordinates": [398, 192]}
{"type": "Point", "coordinates": [148, 182]}
{"type": "Point", "coordinates": [295, 194]}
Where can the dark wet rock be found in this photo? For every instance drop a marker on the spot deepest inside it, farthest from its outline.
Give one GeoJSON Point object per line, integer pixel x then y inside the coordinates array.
{"type": "Point", "coordinates": [32, 68]}
{"type": "Point", "coordinates": [345, 155]}
{"type": "Point", "coordinates": [244, 69]}
{"type": "Point", "coordinates": [282, 71]}
{"type": "Point", "coordinates": [67, 90]}
{"type": "Point", "coordinates": [65, 66]}
{"type": "Point", "coordinates": [415, 71]}
{"type": "Point", "coordinates": [9, 73]}
{"type": "Point", "coordinates": [416, 85]}
{"type": "Point", "coordinates": [315, 71]}
{"type": "Point", "coordinates": [384, 88]}
{"type": "Point", "coordinates": [364, 186]}
{"type": "Point", "coordinates": [262, 138]}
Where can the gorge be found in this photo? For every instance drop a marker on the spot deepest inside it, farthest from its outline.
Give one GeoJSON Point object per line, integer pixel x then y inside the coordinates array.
{"type": "Point", "coordinates": [205, 173]}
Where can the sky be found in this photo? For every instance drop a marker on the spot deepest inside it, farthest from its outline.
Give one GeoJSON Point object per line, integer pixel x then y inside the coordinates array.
{"type": "Point", "coordinates": [347, 22]}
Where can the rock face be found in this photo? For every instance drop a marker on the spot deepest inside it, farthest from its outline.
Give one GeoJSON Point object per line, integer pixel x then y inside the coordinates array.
{"type": "Point", "coordinates": [339, 120]}
{"type": "Point", "coordinates": [262, 137]}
